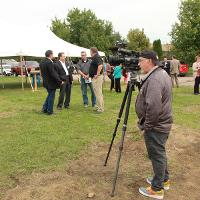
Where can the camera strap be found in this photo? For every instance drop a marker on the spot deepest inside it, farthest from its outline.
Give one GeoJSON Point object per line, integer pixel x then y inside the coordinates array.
{"type": "Point", "coordinates": [143, 81]}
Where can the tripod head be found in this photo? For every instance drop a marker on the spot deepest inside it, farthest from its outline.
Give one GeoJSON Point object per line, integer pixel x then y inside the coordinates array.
{"type": "Point", "coordinates": [133, 79]}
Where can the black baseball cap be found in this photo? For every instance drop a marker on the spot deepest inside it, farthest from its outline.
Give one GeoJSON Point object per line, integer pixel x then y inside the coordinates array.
{"type": "Point", "coordinates": [149, 55]}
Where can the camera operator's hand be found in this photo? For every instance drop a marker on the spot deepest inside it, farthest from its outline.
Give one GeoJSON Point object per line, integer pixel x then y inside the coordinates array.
{"type": "Point", "coordinates": [62, 82]}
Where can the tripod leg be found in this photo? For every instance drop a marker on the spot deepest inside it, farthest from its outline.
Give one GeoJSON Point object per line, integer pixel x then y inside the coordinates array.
{"type": "Point", "coordinates": [123, 137]}
{"type": "Point", "coordinates": [117, 124]}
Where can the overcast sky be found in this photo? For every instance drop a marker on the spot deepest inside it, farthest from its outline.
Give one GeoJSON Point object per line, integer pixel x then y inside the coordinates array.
{"type": "Point", "coordinates": [155, 16]}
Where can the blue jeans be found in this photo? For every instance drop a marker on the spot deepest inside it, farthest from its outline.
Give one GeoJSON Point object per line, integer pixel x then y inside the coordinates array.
{"type": "Point", "coordinates": [84, 92]}
{"type": "Point", "coordinates": [37, 78]}
{"type": "Point", "coordinates": [48, 104]}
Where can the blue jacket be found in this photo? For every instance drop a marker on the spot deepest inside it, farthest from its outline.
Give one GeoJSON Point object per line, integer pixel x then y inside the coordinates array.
{"type": "Point", "coordinates": [118, 72]}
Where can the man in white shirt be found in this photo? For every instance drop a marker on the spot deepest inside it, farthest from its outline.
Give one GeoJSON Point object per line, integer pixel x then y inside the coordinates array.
{"type": "Point", "coordinates": [66, 76]}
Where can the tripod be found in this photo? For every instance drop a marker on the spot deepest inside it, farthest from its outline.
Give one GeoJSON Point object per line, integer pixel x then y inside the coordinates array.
{"type": "Point", "coordinates": [128, 94]}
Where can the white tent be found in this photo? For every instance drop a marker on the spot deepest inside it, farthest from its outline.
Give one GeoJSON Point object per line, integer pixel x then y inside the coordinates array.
{"type": "Point", "coordinates": [34, 41]}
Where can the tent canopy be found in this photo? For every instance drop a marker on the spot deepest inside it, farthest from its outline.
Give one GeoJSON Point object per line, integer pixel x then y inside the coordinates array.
{"type": "Point", "coordinates": [34, 41]}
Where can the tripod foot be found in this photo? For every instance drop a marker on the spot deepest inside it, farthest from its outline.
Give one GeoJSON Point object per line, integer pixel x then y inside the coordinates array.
{"type": "Point", "coordinates": [112, 195]}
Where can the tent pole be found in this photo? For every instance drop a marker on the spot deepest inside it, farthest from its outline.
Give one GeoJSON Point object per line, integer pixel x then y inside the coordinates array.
{"type": "Point", "coordinates": [2, 73]}
{"type": "Point", "coordinates": [28, 75]}
{"type": "Point", "coordinates": [22, 74]}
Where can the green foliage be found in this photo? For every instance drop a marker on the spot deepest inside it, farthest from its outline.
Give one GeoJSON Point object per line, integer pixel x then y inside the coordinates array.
{"type": "Point", "coordinates": [157, 47]}
{"type": "Point", "coordinates": [137, 40]}
{"type": "Point", "coordinates": [185, 33]}
{"type": "Point", "coordinates": [61, 29]}
{"type": "Point", "coordinates": [83, 28]}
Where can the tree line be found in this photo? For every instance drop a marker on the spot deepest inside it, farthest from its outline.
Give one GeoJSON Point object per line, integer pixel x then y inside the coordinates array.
{"type": "Point", "coordinates": [83, 28]}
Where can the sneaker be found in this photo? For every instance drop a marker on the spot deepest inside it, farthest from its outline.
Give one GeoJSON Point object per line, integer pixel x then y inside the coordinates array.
{"type": "Point", "coordinates": [148, 192]}
{"type": "Point", "coordinates": [59, 108]}
{"type": "Point", "coordinates": [166, 183]}
{"type": "Point", "coordinates": [97, 111]}
{"type": "Point", "coordinates": [85, 105]}
{"type": "Point", "coordinates": [44, 111]}
{"type": "Point", "coordinates": [95, 107]}
{"type": "Point", "coordinates": [51, 113]}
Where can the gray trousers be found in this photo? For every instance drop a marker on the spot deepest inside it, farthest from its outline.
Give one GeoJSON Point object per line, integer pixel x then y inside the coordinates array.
{"type": "Point", "coordinates": [65, 93]}
{"type": "Point", "coordinates": [155, 144]}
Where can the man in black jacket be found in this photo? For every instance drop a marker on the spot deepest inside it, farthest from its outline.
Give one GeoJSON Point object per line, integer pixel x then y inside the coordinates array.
{"type": "Point", "coordinates": [51, 81]}
{"type": "Point", "coordinates": [65, 75]}
{"type": "Point", "coordinates": [166, 65]}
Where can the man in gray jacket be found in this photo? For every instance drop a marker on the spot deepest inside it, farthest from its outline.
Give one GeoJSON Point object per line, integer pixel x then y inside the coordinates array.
{"type": "Point", "coordinates": [154, 110]}
{"type": "Point", "coordinates": [83, 67]}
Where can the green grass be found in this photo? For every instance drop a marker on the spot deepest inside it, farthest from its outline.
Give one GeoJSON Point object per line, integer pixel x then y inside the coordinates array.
{"type": "Point", "coordinates": [31, 141]}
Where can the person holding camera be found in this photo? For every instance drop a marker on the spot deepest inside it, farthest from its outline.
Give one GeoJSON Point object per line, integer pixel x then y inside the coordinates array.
{"type": "Point", "coordinates": [96, 73]}
{"type": "Point", "coordinates": [51, 81]}
{"type": "Point", "coordinates": [83, 67]}
{"type": "Point", "coordinates": [154, 109]}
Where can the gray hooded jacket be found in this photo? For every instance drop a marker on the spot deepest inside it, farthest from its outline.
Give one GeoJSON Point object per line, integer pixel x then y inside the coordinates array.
{"type": "Point", "coordinates": [154, 102]}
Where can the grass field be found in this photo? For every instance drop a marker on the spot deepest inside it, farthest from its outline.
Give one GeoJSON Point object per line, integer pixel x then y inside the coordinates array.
{"type": "Point", "coordinates": [31, 141]}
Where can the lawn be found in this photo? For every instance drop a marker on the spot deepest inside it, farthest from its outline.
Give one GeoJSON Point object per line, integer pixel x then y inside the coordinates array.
{"type": "Point", "coordinates": [31, 141]}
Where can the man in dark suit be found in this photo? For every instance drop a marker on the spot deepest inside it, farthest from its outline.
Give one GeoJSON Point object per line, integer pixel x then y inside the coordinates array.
{"type": "Point", "coordinates": [51, 81]}
{"type": "Point", "coordinates": [65, 75]}
{"type": "Point", "coordinates": [166, 65]}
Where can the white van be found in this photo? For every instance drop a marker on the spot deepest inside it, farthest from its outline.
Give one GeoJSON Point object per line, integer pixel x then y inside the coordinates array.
{"type": "Point", "coordinates": [5, 70]}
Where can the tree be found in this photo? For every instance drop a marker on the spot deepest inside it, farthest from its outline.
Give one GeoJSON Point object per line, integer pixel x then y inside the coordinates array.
{"type": "Point", "coordinates": [61, 29]}
{"type": "Point", "coordinates": [83, 28]}
{"type": "Point", "coordinates": [137, 40]}
{"type": "Point", "coordinates": [157, 47]}
{"type": "Point", "coordinates": [185, 33]}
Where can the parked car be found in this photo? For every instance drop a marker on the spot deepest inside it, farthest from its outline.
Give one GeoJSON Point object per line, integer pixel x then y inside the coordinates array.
{"type": "Point", "coordinates": [26, 65]}
{"type": "Point", "coordinates": [5, 70]}
{"type": "Point", "coordinates": [183, 69]}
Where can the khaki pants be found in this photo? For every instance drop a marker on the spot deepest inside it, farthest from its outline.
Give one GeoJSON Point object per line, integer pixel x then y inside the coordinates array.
{"type": "Point", "coordinates": [174, 77]}
{"type": "Point", "coordinates": [97, 85]}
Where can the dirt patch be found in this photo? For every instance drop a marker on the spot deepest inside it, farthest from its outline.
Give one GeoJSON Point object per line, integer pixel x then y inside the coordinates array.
{"type": "Point", "coordinates": [6, 114]}
{"type": "Point", "coordinates": [88, 175]}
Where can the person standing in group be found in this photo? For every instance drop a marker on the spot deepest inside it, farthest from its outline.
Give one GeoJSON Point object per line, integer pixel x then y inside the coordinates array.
{"type": "Point", "coordinates": [66, 76]}
{"type": "Point", "coordinates": [174, 70]}
{"type": "Point", "coordinates": [166, 65]}
{"type": "Point", "coordinates": [196, 74]}
{"type": "Point", "coordinates": [51, 81]}
{"type": "Point", "coordinates": [125, 75]}
{"type": "Point", "coordinates": [110, 71]}
{"type": "Point", "coordinates": [104, 71]}
{"type": "Point", "coordinates": [118, 75]}
{"type": "Point", "coordinates": [154, 110]}
{"type": "Point", "coordinates": [83, 67]}
{"type": "Point", "coordinates": [96, 73]}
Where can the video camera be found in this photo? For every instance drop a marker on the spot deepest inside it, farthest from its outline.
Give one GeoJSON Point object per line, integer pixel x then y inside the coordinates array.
{"type": "Point", "coordinates": [121, 55]}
